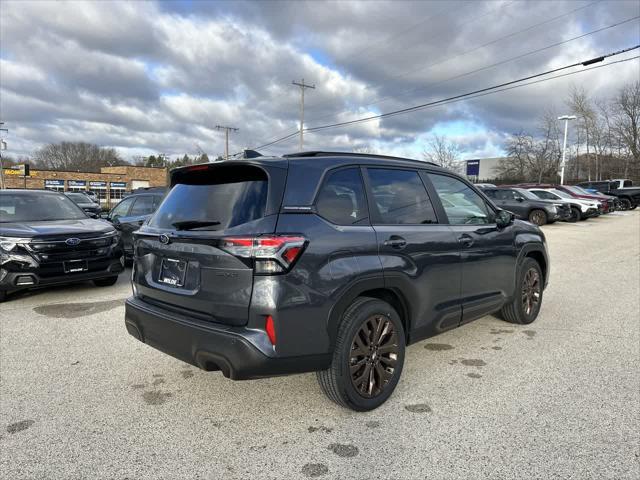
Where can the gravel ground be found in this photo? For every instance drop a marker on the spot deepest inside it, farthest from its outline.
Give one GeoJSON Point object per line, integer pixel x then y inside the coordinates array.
{"type": "Point", "coordinates": [556, 399]}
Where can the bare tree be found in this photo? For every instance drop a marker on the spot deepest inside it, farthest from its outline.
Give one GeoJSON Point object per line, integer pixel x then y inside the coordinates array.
{"type": "Point", "coordinates": [443, 152]}
{"type": "Point", "coordinates": [76, 156]}
{"type": "Point", "coordinates": [626, 122]}
{"type": "Point", "coordinates": [520, 151]}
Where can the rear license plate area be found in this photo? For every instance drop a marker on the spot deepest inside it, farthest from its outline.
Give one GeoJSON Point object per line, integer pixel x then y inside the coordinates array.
{"type": "Point", "coordinates": [172, 272]}
{"type": "Point", "coordinates": [75, 266]}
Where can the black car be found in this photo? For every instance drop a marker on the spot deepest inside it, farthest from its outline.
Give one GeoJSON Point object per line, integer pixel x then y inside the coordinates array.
{"type": "Point", "coordinates": [46, 239]}
{"type": "Point", "coordinates": [527, 206]}
{"type": "Point", "coordinates": [325, 262]}
{"type": "Point", "coordinates": [85, 203]}
{"type": "Point", "coordinates": [132, 212]}
{"type": "Point", "coordinates": [628, 197]}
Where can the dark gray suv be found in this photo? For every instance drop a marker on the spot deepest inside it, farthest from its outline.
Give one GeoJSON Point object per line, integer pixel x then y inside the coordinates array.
{"type": "Point", "coordinates": [325, 262]}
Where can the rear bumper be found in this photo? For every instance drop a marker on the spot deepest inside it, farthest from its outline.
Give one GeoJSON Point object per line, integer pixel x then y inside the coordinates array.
{"type": "Point", "coordinates": [240, 353]}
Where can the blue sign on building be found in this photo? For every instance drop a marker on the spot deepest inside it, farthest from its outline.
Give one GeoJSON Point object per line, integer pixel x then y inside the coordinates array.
{"type": "Point", "coordinates": [473, 168]}
{"type": "Point", "coordinates": [77, 183]}
{"type": "Point", "coordinates": [53, 183]}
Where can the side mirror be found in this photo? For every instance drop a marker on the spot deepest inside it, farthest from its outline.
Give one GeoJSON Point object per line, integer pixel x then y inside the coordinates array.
{"type": "Point", "coordinates": [504, 218]}
{"type": "Point", "coordinates": [520, 199]}
{"type": "Point", "coordinates": [94, 215]}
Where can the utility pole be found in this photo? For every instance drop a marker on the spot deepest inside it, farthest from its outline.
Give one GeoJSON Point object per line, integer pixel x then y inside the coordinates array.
{"type": "Point", "coordinates": [226, 138]}
{"type": "Point", "coordinates": [3, 145]}
{"type": "Point", "coordinates": [566, 119]}
{"type": "Point", "coordinates": [302, 86]}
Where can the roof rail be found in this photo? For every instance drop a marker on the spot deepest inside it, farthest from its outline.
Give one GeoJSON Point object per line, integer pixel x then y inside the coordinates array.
{"type": "Point", "coordinates": [319, 153]}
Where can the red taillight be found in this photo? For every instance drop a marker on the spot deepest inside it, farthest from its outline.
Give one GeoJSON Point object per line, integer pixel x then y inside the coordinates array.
{"type": "Point", "coordinates": [273, 253]}
{"type": "Point", "coordinates": [270, 329]}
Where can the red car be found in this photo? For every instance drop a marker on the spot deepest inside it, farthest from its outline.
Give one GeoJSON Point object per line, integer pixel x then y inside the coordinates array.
{"type": "Point", "coordinates": [606, 203]}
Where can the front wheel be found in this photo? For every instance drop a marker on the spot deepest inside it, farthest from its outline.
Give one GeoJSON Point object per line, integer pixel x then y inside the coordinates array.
{"type": "Point", "coordinates": [538, 217]}
{"type": "Point", "coordinates": [368, 356]}
{"type": "Point", "coordinates": [576, 215]}
{"type": "Point", "coordinates": [527, 297]}
{"type": "Point", "coordinates": [106, 282]}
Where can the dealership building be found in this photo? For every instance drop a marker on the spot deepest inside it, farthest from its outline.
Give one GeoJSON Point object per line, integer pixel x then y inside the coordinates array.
{"type": "Point", "coordinates": [481, 169]}
{"type": "Point", "coordinates": [111, 184]}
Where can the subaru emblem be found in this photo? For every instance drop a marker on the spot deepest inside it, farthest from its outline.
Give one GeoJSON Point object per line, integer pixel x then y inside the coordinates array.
{"type": "Point", "coordinates": [164, 239]}
{"type": "Point", "coordinates": [72, 241]}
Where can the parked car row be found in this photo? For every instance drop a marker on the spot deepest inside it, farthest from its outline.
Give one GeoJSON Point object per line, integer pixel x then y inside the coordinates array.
{"type": "Point", "coordinates": [546, 203]}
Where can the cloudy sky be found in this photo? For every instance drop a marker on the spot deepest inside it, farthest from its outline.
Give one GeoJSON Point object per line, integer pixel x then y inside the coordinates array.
{"type": "Point", "coordinates": [157, 77]}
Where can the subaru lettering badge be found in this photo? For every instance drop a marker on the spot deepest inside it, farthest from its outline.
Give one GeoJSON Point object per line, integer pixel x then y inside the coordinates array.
{"type": "Point", "coordinates": [72, 241]}
{"type": "Point", "coordinates": [164, 239]}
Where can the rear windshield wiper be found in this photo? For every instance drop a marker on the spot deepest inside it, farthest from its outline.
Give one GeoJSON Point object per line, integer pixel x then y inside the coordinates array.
{"type": "Point", "coordinates": [193, 224]}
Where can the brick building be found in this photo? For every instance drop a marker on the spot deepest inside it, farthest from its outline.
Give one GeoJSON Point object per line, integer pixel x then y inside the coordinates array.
{"type": "Point", "coordinates": [111, 184]}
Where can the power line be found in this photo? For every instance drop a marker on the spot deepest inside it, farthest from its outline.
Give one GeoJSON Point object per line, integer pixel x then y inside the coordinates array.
{"type": "Point", "coordinates": [471, 72]}
{"type": "Point", "coordinates": [447, 59]}
{"type": "Point", "coordinates": [463, 95]}
{"type": "Point", "coordinates": [476, 94]}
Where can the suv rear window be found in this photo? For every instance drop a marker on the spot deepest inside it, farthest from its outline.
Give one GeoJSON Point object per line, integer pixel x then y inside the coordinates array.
{"type": "Point", "coordinates": [218, 198]}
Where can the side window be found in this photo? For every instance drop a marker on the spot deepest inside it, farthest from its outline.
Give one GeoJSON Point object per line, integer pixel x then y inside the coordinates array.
{"type": "Point", "coordinates": [490, 193]}
{"type": "Point", "coordinates": [400, 197]}
{"type": "Point", "coordinates": [544, 195]}
{"type": "Point", "coordinates": [461, 203]}
{"type": "Point", "coordinates": [121, 209]}
{"type": "Point", "coordinates": [142, 206]}
{"type": "Point", "coordinates": [341, 199]}
{"type": "Point", "coordinates": [627, 183]}
{"type": "Point", "coordinates": [157, 200]}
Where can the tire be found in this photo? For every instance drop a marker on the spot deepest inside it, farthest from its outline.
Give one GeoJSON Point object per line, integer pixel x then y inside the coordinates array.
{"type": "Point", "coordinates": [105, 282]}
{"type": "Point", "coordinates": [521, 311]}
{"type": "Point", "coordinates": [633, 207]}
{"type": "Point", "coordinates": [625, 204]}
{"type": "Point", "coordinates": [3, 296]}
{"type": "Point", "coordinates": [337, 382]}
{"type": "Point", "coordinates": [576, 215]}
{"type": "Point", "coordinates": [538, 217]}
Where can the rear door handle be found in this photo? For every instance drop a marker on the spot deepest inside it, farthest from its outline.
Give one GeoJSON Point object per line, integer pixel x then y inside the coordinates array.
{"type": "Point", "coordinates": [395, 242]}
{"type": "Point", "coordinates": [465, 240]}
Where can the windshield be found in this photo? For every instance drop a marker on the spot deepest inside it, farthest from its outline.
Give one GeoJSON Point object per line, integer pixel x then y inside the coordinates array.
{"type": "Point", "coordinates": [560, 193]}
{"type": "Point", "coordinates": [576, 190]}
{"type": "Point", "coordinates": [582, 190]}
{"type": "Point", "coordinates": [232, 197]}
{"type": "Point", "coordinates": [78, 197]}
{"type": "Point", "coordinates": [37, 207]}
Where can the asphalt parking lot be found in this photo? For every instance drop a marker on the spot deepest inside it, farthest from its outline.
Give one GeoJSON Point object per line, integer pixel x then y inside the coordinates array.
{"type": "Point", "coordinates": [560, 398]}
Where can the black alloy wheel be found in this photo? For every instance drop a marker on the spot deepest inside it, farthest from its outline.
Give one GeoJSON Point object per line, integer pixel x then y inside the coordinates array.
{"type": "Point", "coordinates": [625, 204]}
{"type": "Point", "coordinates": [374, 355]}
{"type": "Point", "coordinates": [368, 356]}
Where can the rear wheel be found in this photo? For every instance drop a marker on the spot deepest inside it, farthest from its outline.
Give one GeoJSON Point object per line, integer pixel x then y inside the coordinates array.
{"type": "Point", "coordinates": [105, 282]}
{"type": "Point", "coordinates": [368, 356]}
{"type": "Point", "coordinates": [538, 217]}
{"type": "Point", "coordinates": [576, 215]}
{"type": "Point", "coordinates": [527, 298]}
{"type": "Point", "coordinates": [625, 204]}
